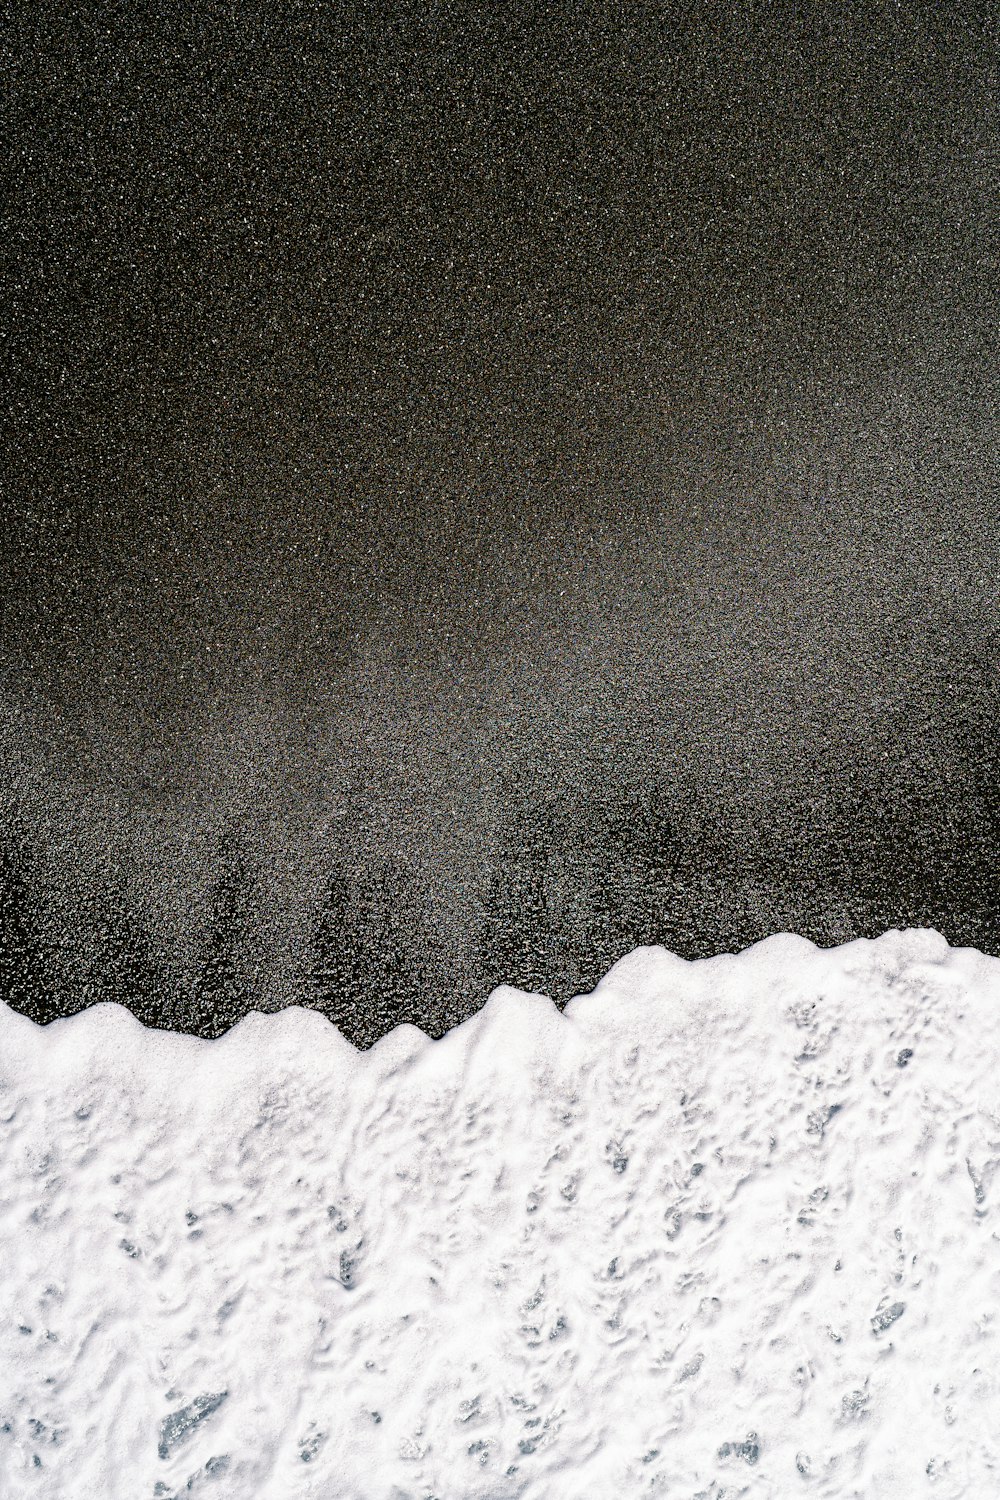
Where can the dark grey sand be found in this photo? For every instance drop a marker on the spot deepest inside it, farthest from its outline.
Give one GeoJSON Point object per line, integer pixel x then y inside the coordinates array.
{"type": "Point", "coordinates": [486, 492]}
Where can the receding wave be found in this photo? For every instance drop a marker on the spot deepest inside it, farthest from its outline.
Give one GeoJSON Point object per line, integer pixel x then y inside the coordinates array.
{"type": "Point", "coordinates": [724, 1228]}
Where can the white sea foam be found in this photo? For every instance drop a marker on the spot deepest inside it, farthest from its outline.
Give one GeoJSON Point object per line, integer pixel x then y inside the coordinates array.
{"type": "Point", "coordinates": [721, 1229]}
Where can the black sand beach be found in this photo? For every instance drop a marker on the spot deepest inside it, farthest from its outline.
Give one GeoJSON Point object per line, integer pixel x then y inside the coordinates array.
{"type": "Point", "coordinates": [484, 491]}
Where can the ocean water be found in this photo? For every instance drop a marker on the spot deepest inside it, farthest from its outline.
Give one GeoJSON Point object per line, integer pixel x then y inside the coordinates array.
{"type": "Point", "coordinates": [718, 1229]}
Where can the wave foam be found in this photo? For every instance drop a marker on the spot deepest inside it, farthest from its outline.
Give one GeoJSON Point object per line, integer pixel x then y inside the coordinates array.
{"type": "Point", "coordinates": [722, 1228]}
